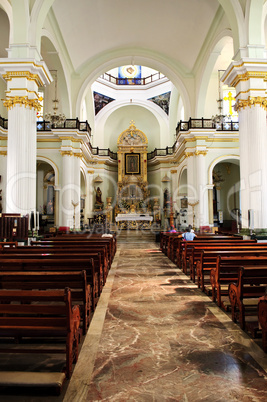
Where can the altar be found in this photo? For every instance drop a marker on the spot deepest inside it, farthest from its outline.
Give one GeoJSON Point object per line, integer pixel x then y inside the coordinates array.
{"type": "Point", "coordinates": [134, 221]}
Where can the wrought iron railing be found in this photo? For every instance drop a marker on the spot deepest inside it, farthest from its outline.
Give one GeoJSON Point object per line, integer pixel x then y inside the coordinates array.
{"type": "Point", "coordinates": [137, 81]}
{"type": "Point", "coordinates": [160, 152]}
{"type": "Point", "coordinates": [3, 122]}
{"type": "Point", "coordinates": [67, 124]}
{"type": "Point", "coordinates": [206, 124]}
{"type": "Point", "coordinates": [103, 152]}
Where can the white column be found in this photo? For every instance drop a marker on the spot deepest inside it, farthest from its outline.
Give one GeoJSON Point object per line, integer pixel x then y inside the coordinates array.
{"type": "Point", "coordinates": [57, 206]}
{"type": "Point", "coordinates": [89, 203]}
{"type": "Point", "coordinates": [192, 193]}
{"type": "Point", "coordinates": [248, 76]}
{"type": "Point", "coordinates": [202, 209]}
{"type": "Point", "coordinates": [77, 187]}
{"type": "Point", "coordinates": [67, 189]}
{"type": "Point", "coordinates": [23, 79]}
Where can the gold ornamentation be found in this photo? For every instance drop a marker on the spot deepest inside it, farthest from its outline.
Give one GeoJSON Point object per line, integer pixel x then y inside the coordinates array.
{"type": "Point", "coordinates": [173, 171]}
{"type": "Point", "coordinates": [90, 171]}
{"type": "Point", "coordinates": [66, 153]}
{"type": "Point", "coordinates": [204, 153]}
{"type": "Point", "coordinates": [246, 76]}
{"type": "Point", "coordinates": [3, 153]}
{"type": "Point", "coordinates": [23, 74]}
{"type": "Point", "coordinates": [22, 100]}
{"type": "Point", "coordinates": [188, 154]}
{"type": "Point", "coordinates": [251, 101]}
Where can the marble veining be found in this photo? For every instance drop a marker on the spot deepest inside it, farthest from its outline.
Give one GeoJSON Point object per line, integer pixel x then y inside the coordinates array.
{"type": "Point", "coordinates": [156, 337]}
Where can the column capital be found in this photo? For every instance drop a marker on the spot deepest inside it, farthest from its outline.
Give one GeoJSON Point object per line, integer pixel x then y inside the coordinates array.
{"type": "Point", "coordinates": [248, 76]}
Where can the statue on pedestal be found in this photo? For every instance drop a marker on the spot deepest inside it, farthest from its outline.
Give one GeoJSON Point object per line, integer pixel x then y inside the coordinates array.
{"type": "Point", "coordinates": [98, 200]}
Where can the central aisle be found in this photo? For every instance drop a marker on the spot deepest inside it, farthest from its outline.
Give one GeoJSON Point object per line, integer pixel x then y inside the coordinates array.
{"type": "Point", "coordinates": [156, 337]}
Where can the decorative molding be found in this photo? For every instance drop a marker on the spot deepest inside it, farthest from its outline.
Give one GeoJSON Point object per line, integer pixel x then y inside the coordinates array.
{"type": "Point", "coordinates": [22, 100]}
{"type": "Point", "coordinates": [90, 171]}
{"type": "Point", "coordinates": [4, 153]}
{"type": "Point", "coordinates": [173, 171]}
{"type": "Point", "coordinates": [248, 75]}
{"type": "Point", "coordinates": [188, 154]}
{"type": "Point", "coordinates": [23, 74]}
{"type": "Point", "coordinates": [251, 101]}
{"type": "Point", "coordinates": [204, 153]}
{"type": "Point", "coordinates": [66, 153]}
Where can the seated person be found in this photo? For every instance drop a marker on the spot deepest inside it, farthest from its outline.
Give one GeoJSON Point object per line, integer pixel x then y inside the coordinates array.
{"type": "Point", "coordinates": [188, 235]}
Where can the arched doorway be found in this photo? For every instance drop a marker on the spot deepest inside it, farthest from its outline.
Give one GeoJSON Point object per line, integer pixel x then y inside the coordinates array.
{"type": "Point", "coordinates": [226, 195]}
{"type": "Point", "coordinates": [45, 195]}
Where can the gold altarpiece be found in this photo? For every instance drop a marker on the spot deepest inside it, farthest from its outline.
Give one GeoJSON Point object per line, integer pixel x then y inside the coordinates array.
{"type": "Point", "coordinates": [132, 192]}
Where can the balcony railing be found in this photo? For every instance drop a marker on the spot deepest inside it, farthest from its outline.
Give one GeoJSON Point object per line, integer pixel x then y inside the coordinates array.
{"type": "Point", "coordinates": [68, 124]}
{"type": "Point", "coordinates": [136, 81]}
{"type": "Point", "coordinates": [3, 122]}
{"type": "Point", "coordinates": [103, 152]}
{"type": "Point", "coordinates": [206, 124]}
{"type": "Point", "coordinates": [160, 152]}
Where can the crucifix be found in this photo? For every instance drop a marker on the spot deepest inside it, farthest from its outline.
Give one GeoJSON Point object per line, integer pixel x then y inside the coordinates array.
{"type": "Point", "coordinates": [74, 206]}
{"type": "Point", "coordinates": [193, 204]}
{"type": "Point", "coordinates": [230, 98]}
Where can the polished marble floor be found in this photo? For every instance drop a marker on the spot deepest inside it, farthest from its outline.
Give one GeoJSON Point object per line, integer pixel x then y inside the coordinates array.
{"type": "Point", "coordinates": [156, 337]}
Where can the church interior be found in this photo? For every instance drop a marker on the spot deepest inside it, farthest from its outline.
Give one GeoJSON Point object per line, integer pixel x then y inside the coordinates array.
{"type": "Point", "coordinates": [121, 125]}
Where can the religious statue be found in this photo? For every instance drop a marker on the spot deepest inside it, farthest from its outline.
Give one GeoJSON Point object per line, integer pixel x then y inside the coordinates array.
{"type": "Point", "coordinates": [98, 199]}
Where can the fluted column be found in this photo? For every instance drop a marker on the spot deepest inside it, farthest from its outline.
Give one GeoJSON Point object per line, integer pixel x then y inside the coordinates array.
{"type": "Point", "coordinates": [67, 188]}
{"type": "Point", "coordinates": [23, 79]}
{"type": "Point", "coordinates": [77, 187]}
{"type": "Point", "coordinates": [202, 209]}
{"type": "Point", "coordinates": [248, 76]}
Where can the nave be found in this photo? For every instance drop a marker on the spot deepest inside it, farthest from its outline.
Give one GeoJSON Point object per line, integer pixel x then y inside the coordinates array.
{"type": "Point", "coordinates": [156, 337]}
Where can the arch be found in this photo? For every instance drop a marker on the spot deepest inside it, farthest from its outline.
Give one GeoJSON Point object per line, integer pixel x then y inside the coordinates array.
{"type": "Point", "coordinates": [6, 6]}
{"type": "Point", "coordinates": [216, 48]}
{"type": "Point", "coordinates": [255, 13]}
{"type": "Point", "coordinates": [54, 166]}
{"type": "Point", "coordinates": [38, 15]}
{"type": "Point", "coordinates": [122, 57]}
{"type": "Point", "coordinates": [181, 174]}
{"type": "Point", "coordinates": [55, 44]}
{"type": "Point", "coordinates": [223, 158]}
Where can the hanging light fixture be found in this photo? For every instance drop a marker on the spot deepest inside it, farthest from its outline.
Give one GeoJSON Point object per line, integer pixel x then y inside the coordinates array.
{"type": "Point", "coordinates": [220, 118]}
{"type": "Point", "coordinates": [54, 118]}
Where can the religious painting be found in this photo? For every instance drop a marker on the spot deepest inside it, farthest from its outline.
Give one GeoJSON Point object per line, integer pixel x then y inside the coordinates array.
{"type": "Point", "coordinates": [50, 200]}
{"type": "Point", "coordinates": [129, 75]}
{"type": "Point", "coordinates": [132, 163]}
{"type": "Point", "coordinates": [101, 101]}
{"type": "Point", "coordinates": [162, 101]}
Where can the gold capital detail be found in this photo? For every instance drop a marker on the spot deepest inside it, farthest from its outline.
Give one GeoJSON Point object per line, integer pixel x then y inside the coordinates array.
{"type": "Point", "coordinates": [173, 171]}
{"type": "Point", "coordinates": [251, 101]}
{"type": "Point", "coordinates": [22, 100]}
{"type": "Point", "coordinates": [66, 153]}
{"type": "Point", "coordinates": [23, 74]}
{"type": "Point", "coordinates": [204, 153]}
{"type": "Point", "coordinates": [3, 153]}
{"type": "Point", "coordinates": [188, 154]}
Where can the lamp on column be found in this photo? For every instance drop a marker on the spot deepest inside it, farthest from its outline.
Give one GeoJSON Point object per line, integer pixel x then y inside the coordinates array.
{"type": "Point", "coordinates": [54, 118]}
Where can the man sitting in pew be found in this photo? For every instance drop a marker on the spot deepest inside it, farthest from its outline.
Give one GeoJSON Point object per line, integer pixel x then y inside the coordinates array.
{"type": "Point", "coordinates": [188, 235]}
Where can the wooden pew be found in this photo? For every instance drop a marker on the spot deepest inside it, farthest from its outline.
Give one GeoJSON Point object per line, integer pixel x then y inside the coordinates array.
{"type": "Point", "coordinates": [262, 316]}
{"type": "Point", "coordinates": [245, 293]}
{"type": "Point", "coordinates": [208, 261]}
{"type": "Point", "coordinates": [188, 246]}
{"type": "Point", "coordinates": [43, 280]}
{"type": "Point", "coordinates": [72, 252]}
{"type": "Point", "coordinates": [55, 263]}
{"type": "Point", "coordinates": [40, 314]}
{"type": "Point", "coordinates": [226, 246]}
{"type": "Point", "coordinates": [221, 275]}
{"type": "Point", "coordinates": [103, 248]}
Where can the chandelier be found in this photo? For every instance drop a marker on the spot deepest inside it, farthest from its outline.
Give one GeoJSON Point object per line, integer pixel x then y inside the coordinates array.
{"type": "Point", "coordinates": [220, 118]}
{"type": "Point", "coordinates": [54, 118]}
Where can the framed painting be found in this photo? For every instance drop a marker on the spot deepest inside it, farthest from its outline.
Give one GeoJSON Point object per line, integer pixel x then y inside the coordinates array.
{"type": "Point", "coordinates": [132, 163]}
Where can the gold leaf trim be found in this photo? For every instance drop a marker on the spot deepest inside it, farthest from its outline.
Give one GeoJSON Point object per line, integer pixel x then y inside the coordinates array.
{"type": "Point", "coordinates": [22, 100]}
{"type": "Point", "coordinates": [251, 101]}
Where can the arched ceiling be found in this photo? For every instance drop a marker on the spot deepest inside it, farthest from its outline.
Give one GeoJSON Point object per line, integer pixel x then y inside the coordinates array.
{"type": "Point", "coordinates": [91, 28]}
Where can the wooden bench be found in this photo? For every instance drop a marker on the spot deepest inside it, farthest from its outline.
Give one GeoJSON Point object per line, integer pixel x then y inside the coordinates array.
{"type": "Point", "coordinates": [245, 293]}
{"type": "Point", "coordinates": [222, 274]}
{"type": "Point", "coordinates": [55, 263]}
{"type": "Point", "coordinates": [232, 257]}
{"type": "Point", "coordinates": [40, 314]}
{"type": "Point", "coordinates": [72, 252]}
{"type": "Point", "coordinates": [188, 247]}
{"type": "Point", "coordinates": [262, 316]}
{"type": "Point", "coordinates": [43, 280]}
{"type": "Point", "coordinates": [196, 252]}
